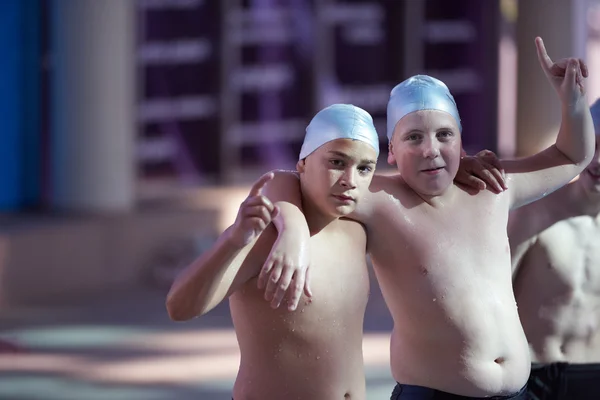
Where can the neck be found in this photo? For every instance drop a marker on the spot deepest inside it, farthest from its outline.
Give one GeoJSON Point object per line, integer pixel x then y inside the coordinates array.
{"type": "Point", "coordinates": [315, 219]}
{"type": "Point", "coordinates": [435, 201]}
{"type": "Point", "coordinates": [581, 201]}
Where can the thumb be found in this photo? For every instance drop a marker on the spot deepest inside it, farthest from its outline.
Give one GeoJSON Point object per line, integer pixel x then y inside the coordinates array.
{"type": "Point", "coordinates": [275, 212]}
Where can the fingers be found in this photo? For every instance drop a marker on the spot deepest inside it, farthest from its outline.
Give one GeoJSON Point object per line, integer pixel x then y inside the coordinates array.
{"type": "Point", "coordinates": [260, 201]}
{"type": "Point", "coordinates": [275, 212]}
{"type": "Point", "coordinates": [256, 215]}
{"type": "Point", "coordinates": [571, 75]}
{"type": "Point", "coordinates": [273, 281]}
{"type": "Point", "coordinates": [298, 282]}
{"type": "Point", "coordinates": [281, 287]}
{"type": "Point", "coordinates": [543, 57]}
{"type": "Point", "coordinates": [583, 67]}
{"type": "Point", "coordinates": [260, 183]}
{"type": "Point", "coordinates": [490, 178]}
{"type": "Point", "coordinates": [474, 182]}
{"type": "Point", "coordinates": [307, 289]}
{"type": "Point", "coordinates": [499, 177]}
{"type": "Point", "coordinates": [264, 273]}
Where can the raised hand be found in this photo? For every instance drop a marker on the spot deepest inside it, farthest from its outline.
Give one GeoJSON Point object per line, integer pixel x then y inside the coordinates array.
{"type": "Point", "coordinates": [254, 215]}
{"type": "Point", "coordinates": [566, 75]}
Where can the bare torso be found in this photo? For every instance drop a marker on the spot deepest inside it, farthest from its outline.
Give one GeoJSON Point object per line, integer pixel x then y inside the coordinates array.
{"type": "Point", "coordinates": [558, 292]}
{"type": "Point", "coordinates": [315, 352]}
{"type": "Point", "coordinates": [446, 278]}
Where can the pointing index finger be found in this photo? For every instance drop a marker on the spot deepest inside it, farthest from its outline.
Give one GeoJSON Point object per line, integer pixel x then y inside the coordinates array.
{"type": "Point", "coordinates": [260, 183]}
{"type": "Point", "coordinates": [545, 60]}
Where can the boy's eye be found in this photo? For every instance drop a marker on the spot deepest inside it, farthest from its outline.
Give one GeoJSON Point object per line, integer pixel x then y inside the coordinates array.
{"type": "Point", "coordinates": [365, 170]}
{"type": "Point", "coordinates": [336, 163]}
{"type": "Point", "coordinates": [445, 134]}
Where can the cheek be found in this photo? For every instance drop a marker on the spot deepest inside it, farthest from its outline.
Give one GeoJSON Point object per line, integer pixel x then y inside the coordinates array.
{"type": "Point", "coordinates": [451, 154]}
{"type": "Point", "coordinates": [409, 161]}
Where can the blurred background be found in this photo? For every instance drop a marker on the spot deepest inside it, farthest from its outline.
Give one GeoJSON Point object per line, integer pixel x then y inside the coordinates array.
{"type": "Point", "coordinates": [131, 130]}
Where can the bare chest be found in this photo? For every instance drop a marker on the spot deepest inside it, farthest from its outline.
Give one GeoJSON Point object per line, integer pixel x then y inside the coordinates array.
{"type": "Point", "coordinates": [467, 233]}
{"type": "Point", "coordinates": [569, 252]}
{"type": "Point", "coordinates": [339, 281]}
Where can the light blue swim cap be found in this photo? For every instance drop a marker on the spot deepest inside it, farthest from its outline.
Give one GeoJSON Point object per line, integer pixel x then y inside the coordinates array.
{"type": "Point", "coordinates": [595, 111]}
{"type": "Point", "coordinates": [419, 92]}
{"type": "Point", "coordinates": [339, 121]}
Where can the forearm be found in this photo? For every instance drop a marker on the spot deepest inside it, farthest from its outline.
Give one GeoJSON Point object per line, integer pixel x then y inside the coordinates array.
{"type": "Point", "coordinates": [291, 219]}
{"type": "Point", "coordinates": [576, 138]}
{"type": "Point", "coordinates": [204, 283]}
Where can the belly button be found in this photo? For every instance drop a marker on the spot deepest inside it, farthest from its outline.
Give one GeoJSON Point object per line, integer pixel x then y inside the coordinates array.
{"type": "Point", "coordinates": [347, 396]}
{"type": "Point", "coordinates": [499, 360]}
{"type": "Point", "coordinates": [562, 348]}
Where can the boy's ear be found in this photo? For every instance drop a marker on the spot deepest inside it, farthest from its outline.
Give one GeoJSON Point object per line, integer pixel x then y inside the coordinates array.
{"type": "Point", "coordinates": [391, 159]}
{"type": "Point", "coordinates": [300, 165]}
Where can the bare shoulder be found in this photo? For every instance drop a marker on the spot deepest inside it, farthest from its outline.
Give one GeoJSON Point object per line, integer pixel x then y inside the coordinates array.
{"type": "Point", "coordinates": [352, 227]}
{"type": "Point", "coordinates": [285, 186]}
{"type": "Point", "coordinates": [381, 182]}
{"type": "Point", "coordinates": [286, 174]}
{"type": "Point", "coordinates": [284, 178]}
{"type": "Point", "coordinates": [387, 187]}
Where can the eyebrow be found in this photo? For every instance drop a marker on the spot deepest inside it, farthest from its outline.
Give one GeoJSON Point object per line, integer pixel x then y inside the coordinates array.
{"type": "Point", "coordinates": [347, 157]}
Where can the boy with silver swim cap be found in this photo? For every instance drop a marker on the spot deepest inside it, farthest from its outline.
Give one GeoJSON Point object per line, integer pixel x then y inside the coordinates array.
{"type": "Point", "coordinates": [321, 341]}
{"type": "Point", "coordinates": [339, 121]}
{"type": "Point", "coordinates": [441, 254]}
{"type": "Point", "coordinates": [420, 92]}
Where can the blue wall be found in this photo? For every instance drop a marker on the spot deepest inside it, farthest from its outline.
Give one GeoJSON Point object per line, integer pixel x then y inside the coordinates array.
{"type": "Point", "coordinates": [19, 103]}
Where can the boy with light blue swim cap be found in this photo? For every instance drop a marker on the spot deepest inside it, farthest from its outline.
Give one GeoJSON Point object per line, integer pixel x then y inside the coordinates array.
{"type": "Point", "coordinates": [323, 340]}
{"type": "Point", "coordinates": [339, 154]}
{"type": "Point", "coordinates": [420, 92]}
{"type": "Point", "coordinates": [339, 121]}
{"type": "Point", "coordinates": [419, 99]}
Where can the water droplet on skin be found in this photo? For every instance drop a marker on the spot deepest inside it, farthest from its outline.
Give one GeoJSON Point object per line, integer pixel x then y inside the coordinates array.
{"type": "Point", "coordinates": [293, 329]}
{"type": "Point", "coordinates": [302, 310]}
{"type": "Point", "coordinates": [318, 357]}
{"type": "Point", "coordinates": [434, 299]}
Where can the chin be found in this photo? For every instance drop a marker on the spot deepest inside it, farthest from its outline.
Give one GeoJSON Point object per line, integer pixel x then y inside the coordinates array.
{"type": "Point", "coordinates": [342, 211]}
{"type": "Point", "coordinates": [433, 190]}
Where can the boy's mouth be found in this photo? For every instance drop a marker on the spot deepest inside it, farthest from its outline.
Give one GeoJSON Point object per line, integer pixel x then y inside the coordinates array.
{"type": "Point", "coordinates": [432, 171]}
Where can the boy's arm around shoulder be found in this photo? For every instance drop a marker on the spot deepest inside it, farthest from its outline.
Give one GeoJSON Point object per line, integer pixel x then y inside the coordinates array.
{"type": "Point", "coordinates": [287, 265]}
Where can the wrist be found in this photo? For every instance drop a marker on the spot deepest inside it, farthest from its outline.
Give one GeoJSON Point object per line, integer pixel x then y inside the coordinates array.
{"type": "Point", "coordinates": [233, 240]}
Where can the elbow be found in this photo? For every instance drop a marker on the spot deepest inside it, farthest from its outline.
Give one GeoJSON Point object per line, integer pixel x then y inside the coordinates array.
{"type": "Point", "coordinates": [582, 163]}
{"type": "Point", "coordinates": [176, 311]}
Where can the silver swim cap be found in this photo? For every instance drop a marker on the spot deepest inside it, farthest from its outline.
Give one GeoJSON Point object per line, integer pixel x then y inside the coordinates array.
{"type": "Point", "coordinates": [339, 121]}
{"type": "Point", "coordinates": [595, 111]}
{"type": "Point", "coordinates": [420, 92]}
